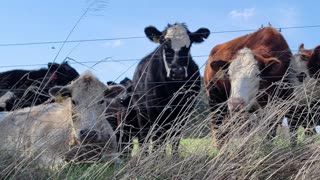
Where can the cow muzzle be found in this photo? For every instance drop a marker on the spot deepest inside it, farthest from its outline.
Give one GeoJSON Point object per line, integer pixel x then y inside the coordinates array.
{"type": "Point", "coordinates": [236, 104]}
{"type": "Point", "coordinates": [178, 73]}
{"type": "Point", "coordinates": [88, 136]}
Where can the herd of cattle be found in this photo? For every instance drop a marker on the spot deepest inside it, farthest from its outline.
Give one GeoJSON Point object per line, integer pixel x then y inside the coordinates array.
{"type": "Point", "coordinates": [55, 110]}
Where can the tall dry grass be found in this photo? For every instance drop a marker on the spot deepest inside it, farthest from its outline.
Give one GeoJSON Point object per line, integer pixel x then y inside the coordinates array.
{"type": "Point", "coordinates": [248, 152]}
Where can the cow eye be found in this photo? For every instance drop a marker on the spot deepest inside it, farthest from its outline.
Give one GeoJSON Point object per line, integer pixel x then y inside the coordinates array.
{"type": "Point", "coordinates": [101, 102]}
{"type": "Point", "coordinates": [301, 76]}
{"type": "Point", "coordinates": [74, 103]}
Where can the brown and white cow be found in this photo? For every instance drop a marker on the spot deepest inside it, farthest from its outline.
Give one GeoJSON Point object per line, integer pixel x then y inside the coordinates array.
{"type": "Point", "coordinates": [239, 69]}
{"type": "Point", "coordinates": [304, 75]}
{"type": "Point", "coordinates": [48, 131]}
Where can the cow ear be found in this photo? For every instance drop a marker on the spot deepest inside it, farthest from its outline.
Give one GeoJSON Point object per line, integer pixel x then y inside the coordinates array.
{"type": "Point", "coordinates": [109, 83]}
{"type": "Point", "coordinates": [113, 91]}
{"type": "Point", "coordinates": [60, 91]}
{"type": "Point", "coordinates": [272, 66]}
{"type": "Point", "coordinates": [218, 65]}
{"type": "Point", "coordinates": [199, 35]}
{"type": "Point", "coordinates": [53, 67]}
{"type": "Point", "coordinates": [153, 33]}
{"type": "Point", "coordinates": [316, 55]}
{"type": "Point", "coordinates": [301, 47]}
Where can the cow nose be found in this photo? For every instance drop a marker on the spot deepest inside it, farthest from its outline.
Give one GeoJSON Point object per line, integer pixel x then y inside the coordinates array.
{"type": "Point", "coordinates": [236, 104]}
{"type": "Point", "coordinates": [88, 135]}
{"type": "Point", "coordinates": [177, 72]}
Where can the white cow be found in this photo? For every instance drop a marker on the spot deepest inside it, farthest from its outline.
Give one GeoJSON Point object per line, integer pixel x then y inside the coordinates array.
{"type": "Point", "coordinates": [48, 131]}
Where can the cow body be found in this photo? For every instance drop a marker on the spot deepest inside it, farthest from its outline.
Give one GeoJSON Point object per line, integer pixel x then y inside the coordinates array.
{"type": "Point", "coordinates": [304, 76]}
{"type": "Point", "coordinates": [49, 131]}
{"type": "Point", "coordinates": [166, 82]}
{"type": "Point", "coordinates": [238, 70]}
{"type": "Point", "coordinates": [30, 87]}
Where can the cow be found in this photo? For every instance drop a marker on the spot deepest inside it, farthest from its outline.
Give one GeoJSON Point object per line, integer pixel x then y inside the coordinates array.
{"type": "Point", "coordinates": [123, 117]}
{"type": "Point", "coordinates": [237, 70]}
{"type": "Point", "coordinates": [30, 87]}
{"type": "Point", "coordinates": [304, 75]}
{"type": "Point", "coordinates": [165, 83]}
{"type": "Point", "coordinates": [48, 131]}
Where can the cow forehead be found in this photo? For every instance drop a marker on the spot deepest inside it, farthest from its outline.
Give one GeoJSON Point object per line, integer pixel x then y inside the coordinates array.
{"type": "Point", "coordinates": [244, 62]}
{"type": "Point", "coordinates": [179, 37]}
{"type": "Point", "coordinates": [87, 85]}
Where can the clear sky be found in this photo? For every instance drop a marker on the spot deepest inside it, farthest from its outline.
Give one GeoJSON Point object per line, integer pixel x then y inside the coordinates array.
{"type": "Point", "coordinates": [44, 20]}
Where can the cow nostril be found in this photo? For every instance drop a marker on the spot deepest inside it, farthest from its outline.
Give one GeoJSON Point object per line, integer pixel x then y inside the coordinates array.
{"type": "Point", "coordinates": [236, 104]}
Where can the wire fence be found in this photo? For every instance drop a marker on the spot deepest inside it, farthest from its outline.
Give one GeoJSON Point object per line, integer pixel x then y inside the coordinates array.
{"type": "Point", "coordinates": [140, 37]}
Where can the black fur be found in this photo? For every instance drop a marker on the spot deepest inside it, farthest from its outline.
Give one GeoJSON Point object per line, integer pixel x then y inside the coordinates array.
{"type": "Point", "coordinates": [153, 90]}
{"type": "Point", "coordinates": [30, 87]}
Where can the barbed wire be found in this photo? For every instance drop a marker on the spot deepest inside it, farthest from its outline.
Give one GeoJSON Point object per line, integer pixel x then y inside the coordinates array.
{"type": "Point", "coordinates": [140, 37]}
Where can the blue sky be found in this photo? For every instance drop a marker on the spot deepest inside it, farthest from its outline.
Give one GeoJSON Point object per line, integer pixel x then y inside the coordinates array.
{"type": "Point", "coordinates": [39, 20]}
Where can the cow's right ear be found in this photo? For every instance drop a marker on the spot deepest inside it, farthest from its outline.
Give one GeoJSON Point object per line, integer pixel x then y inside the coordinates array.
{"type": "Point", "coordinates": [60, 91]}
{"type": "Point", "coordinates": [219, 64]}
{"type": "Point", "coordinates": [53, 66]}
{"type": "Point", "coordinates": [153, 34]}
{"type": "Point", "coordinates": [113, 91]}
{"type": "Point", "coordinates": [301, 47]}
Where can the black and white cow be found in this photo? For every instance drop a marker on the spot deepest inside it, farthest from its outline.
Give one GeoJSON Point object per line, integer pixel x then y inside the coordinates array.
{"type": "Point", "coordinates": [30, 87]}
{"type": "Point", "coordinates": [166, 82]}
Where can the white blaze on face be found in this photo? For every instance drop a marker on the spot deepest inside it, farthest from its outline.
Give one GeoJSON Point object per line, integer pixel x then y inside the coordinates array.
{"type": "Point", "coordinates": [298, 67]}
{"type": "Point", "coordinates": [178, 36]}
{"type": "Point", "coordinates": [244, 77]}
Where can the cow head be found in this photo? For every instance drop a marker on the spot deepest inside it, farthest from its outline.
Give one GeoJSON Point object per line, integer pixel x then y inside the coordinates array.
{"type": "Point", "coordinates": [245, 73]}
{"type": "Point", "coordinates": [176, 41]}
{"type": "Point", "coordinates": [244, 79]}
{"type": "Point", "coordinates": [61, 74]}
{"type": "Point", "coordinates": [305, 67]}
{"type": "Point", "coordinates": [88, 96]}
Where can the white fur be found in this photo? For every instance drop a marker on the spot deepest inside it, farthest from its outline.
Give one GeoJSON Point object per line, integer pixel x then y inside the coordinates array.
{"type": "Point", "coordinates": [243, 73]}
{"type": "Point", "coordinates": [307, 88]}
{"type": "Point", "coordinates": [178, 36]}
{"type": "Point", "coordinates": [3, 99]}
{"type": "Point", "coordinates": [48, 130]}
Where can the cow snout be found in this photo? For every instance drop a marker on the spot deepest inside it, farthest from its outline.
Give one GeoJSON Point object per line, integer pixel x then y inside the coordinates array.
{"type": "Point", "coordinates": [236, 104]}
{"type": "Point", "coordinates": [88, 135]}
{"type": "Point", "coordinates": [125, 100]}
{"type": "Point", "coordinates": [177, 73]}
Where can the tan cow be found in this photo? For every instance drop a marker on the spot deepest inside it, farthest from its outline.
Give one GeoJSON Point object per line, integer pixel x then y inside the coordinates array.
{"type": "Point", "coordinates": [49, 131]}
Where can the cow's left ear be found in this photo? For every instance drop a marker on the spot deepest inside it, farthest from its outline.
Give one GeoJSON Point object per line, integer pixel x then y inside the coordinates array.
{"type": "Point", "coordinates": [316, 55]}
{"type": "Point", "coordinates": [272, 66]}
{"type": "Point", "coordinates": [153, 33]}
{"type": "Point", "coordinates": [113, 91]}
{"type": "Point", "coordinates": [199, 35]}
{"type": "Point", "coordinates": [60, 91]}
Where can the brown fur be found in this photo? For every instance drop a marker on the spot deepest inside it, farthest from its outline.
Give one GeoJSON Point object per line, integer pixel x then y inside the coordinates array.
{"type": "Point", "coordinates": [271, 51]}
{"type": "Point", "coordinates": [267, 44]}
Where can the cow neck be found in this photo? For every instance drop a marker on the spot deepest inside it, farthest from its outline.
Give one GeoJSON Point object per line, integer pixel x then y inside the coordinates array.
{"type": "Point", "coordinates": [168, 69]}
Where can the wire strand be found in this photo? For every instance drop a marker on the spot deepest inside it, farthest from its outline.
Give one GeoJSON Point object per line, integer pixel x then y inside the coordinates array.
{"type": "Point", "coordinates": [140, 37]}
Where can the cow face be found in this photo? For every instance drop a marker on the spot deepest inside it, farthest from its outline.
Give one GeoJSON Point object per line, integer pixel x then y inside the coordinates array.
{"type": "Point", "coordinates": [244, 75]}
{"type": "Point", "coordinates": [88, 106]}
{"type": "Point", "coordinates": [176, 41]}
{"type": "Point", "coordinates": [304, 68]}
